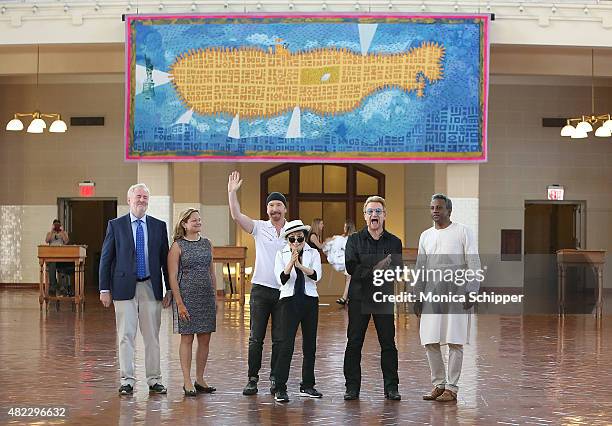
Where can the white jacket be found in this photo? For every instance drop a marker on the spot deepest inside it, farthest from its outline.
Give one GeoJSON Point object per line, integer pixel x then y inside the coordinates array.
{"type": "Point", "coordinates": [310, 259]}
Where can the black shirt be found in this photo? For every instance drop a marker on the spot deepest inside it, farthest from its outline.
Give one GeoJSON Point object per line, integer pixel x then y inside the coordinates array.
{"type": "Point", "coordinates": [362, 252]}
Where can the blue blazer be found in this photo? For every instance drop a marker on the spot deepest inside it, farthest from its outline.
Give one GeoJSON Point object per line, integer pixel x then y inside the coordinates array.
{"type": "Point", "coordinates": [118, 260]}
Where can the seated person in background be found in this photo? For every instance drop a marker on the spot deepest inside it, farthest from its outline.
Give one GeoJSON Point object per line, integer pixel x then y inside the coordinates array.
{"type": "Point", "coordinates": [56, 237]}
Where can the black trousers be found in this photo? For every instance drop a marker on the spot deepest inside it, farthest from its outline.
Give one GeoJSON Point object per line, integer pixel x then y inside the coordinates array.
{"type": "Point", "coordinates": [357, 327]}
{"type": "Point", "coordinates": [307, 317]}
{"type": "Point", "coordinates": [263, 304]}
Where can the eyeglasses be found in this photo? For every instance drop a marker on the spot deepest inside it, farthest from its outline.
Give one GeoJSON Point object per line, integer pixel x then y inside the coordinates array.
{"type": "Point", "coordinates": [369, 212]}
{"type": "Point", "coordinates": [293, 239]}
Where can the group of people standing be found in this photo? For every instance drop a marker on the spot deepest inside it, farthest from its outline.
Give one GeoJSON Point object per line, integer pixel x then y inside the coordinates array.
{"type": "Point", "coordinates": [135, 256]}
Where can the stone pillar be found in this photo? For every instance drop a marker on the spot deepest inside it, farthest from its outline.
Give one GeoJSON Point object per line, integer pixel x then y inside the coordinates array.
{"type": "Point", "coordinates": [218, 224]}
{"type": "Point", "coordinates": [462, 186]}
{"type": "Point", "coordinates": [440, 174]}
{"type": "Point", "coordinates": [215, 207]}
{"type": "Point", "coordinates": [186, 183]}
{"type": "Point", "coordinates": [158, 178]}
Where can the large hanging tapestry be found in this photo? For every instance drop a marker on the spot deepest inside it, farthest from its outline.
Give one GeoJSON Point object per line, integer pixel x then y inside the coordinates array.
{"type": "Point", "coordinates": [320, 88]}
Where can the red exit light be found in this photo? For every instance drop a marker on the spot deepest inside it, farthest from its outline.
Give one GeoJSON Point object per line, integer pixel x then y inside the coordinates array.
{"type": "Point", "coordinates": [87, 189]}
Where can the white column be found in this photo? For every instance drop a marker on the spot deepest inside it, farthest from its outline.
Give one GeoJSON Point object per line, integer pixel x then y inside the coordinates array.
{"type": "Point", "coordinates": [462, 181]}
{"type": "Point", "coordinates": [158, 178]}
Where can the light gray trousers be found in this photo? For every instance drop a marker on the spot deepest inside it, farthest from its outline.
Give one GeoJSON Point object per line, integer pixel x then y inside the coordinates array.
{"type": "Point", "coordinates": [143, 310]}
{"type": "Point", "coordinates": [439, 377]}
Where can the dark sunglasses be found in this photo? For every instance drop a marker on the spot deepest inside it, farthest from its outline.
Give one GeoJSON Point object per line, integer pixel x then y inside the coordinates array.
{"type": "Point", "coordinates": [293, 239]}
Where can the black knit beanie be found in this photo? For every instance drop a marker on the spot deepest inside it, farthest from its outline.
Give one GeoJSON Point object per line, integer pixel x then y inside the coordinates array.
{"type": "Point", "coordinates": [276, 196]}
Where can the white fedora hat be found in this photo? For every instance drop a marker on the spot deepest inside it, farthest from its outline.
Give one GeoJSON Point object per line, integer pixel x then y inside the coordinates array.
{"type": "Point", "coordinates": [294, 226]}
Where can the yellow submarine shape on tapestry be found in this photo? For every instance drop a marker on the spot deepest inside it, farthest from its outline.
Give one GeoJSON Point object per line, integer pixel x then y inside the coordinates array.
{"type": "Point", "coordinates": [255, 83]}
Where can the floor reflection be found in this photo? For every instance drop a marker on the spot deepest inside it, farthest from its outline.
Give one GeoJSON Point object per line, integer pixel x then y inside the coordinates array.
{"type": "Point", "coordinates": [532, 369]}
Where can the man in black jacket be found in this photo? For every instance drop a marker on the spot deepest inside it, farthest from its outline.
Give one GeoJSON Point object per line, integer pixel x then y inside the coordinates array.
{"type": "Point", "coordinates": [371, 249]}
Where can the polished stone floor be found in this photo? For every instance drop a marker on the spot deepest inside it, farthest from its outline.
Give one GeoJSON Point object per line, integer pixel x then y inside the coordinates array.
{"type": "Point", "coordinates": [518, 370]}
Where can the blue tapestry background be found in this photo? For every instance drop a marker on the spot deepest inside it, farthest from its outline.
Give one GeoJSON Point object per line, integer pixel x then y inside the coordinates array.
{"type": "Point", "coordinates": [449, 118]}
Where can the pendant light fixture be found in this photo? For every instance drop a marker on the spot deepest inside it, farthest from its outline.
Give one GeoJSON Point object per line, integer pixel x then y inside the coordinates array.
{"type": "Point", "coordinates": [38, 124]}
{"type": "Point", "coordinates": [586, 123]}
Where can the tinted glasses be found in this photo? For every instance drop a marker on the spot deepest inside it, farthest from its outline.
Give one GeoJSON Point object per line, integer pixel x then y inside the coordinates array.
{"type": "Point", "coordinates": [298, 239]}
{"type": "Point", "coordinates": [369, 212]}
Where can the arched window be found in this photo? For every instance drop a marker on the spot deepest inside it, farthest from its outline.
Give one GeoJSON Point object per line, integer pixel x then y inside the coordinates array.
{"type": "Point", "coordinates": [333, 192]}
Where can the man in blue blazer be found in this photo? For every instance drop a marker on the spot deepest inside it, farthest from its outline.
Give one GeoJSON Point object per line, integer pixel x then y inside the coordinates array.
{"type": "Point", "coordinates": [134, 257]}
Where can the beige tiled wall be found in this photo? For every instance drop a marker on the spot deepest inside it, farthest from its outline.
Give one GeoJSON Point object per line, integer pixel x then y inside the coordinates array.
{"type": "Point", "coordinates": [11, 229]}
{"type": "Point", "coordinates": [525, 157]}
{"type": "Point", "coordinates": [35, 169]}
{"type": "Point", "coordinates": [213, 190]}
{"type": "Point", "coordinates": [26, 228]}
{"type": "Point", "coordinates": [23, 229]}
{"type": "Point", "coordinates": [419, 186]}
{"type": "Point", "coordinates": [186, 182]}
{"type": "Point", "coordinates": [157, 177]}
{"type": "Point", "coordinates": [465, 211]}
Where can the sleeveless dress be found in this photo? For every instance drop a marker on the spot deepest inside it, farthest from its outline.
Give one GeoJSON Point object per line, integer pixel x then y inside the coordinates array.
{"type": "Point", "coordinates": [196, 288]}
{"type": "Point", "coordinates": [314, 246]}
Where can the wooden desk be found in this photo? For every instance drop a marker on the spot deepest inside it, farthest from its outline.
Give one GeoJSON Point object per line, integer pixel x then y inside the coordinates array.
{"type": "Point", "coordinates": [595, 259]}
{"type": "Point", "coordinates": [69, 253]}
{"type": "Point", "coordinates": [236, 255]}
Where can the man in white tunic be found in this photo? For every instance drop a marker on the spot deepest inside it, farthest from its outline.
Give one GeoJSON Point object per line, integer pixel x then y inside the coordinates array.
{"type": "Point", "coordinates": [447, 249]}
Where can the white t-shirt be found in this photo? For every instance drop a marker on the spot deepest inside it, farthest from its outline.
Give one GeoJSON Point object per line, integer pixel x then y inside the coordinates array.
{"type": "Point", "coordinates": [267, 243]}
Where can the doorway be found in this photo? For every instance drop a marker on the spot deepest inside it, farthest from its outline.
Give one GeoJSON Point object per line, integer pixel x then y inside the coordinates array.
{"type": "Point", "coordinates": [332, 192]}
{"type": "Point", "coordinates": [551, 226]}
{"type": "Point", "coordinates": [86, 219]}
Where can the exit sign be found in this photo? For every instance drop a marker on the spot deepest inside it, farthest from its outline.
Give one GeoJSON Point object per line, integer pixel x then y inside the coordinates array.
{"type": "Point", "coordinates": [555, 192]}
{"type": "Point", "coordinates": [87, 188]}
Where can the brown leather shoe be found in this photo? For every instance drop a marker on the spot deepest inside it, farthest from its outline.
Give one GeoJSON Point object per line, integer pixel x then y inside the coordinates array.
{"type": "Point", "coordinates": [447, 396]}
{"type": "Point", "coordinates": [435, 392]}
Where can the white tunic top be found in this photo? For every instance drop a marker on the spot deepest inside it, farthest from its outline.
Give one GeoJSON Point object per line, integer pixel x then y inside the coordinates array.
{"type": "Point", "coordinates": [267, 243]}
{"type": "Point", "coordinates": [455, 246]}
{"type": "Point", "coordinates": [310, 259]}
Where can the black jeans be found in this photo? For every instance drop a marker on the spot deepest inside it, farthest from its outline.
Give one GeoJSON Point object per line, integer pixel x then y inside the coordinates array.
{"type": "Point", "coordinates": [264, 303]}
{"type": "Point", "coordinates": [307, 317]}
{"type": "Point", "coordinates": [357, 327]}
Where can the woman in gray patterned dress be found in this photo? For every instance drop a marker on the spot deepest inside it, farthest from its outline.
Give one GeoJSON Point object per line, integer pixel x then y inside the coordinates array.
{"type": "Point", "coordinates": [192, 279]}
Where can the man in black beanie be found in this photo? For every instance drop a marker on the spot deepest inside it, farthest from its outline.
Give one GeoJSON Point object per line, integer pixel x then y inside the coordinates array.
{"type": "Point", "coordinates": [265, 291]}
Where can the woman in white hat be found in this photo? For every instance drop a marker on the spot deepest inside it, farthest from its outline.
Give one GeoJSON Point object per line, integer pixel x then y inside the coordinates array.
{"type": "Point", "coordinates": [297, 269]}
